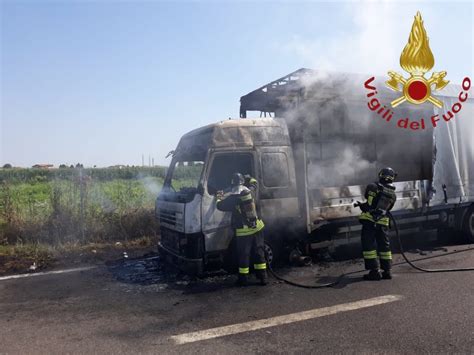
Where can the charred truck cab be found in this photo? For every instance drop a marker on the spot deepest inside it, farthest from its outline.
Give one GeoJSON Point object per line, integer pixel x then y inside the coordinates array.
{"type": "Point", "coordinates": [194, 234]}
{"type": "Point", "coordinates": [312, 164]}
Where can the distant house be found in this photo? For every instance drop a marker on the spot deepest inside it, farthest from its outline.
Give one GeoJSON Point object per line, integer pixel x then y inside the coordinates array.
{"type": "Point", "coordinates": [117, 166]}
{"type": "Point", "coordinates": [43, 166]}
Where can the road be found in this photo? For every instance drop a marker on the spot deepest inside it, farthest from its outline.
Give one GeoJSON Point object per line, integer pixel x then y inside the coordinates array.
{"type": "Point", "coordinates": [139, 306]}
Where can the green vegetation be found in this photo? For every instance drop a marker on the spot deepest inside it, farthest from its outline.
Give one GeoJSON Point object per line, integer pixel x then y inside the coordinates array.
{"type": "Point", "coordinates": [64, 206]}
{"type": "Point", "coordinates": [75, 215]}
{"type": "Point", "coordinates": [14, 175]}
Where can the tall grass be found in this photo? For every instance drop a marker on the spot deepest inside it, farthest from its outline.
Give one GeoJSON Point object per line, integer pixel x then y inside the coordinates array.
{"type": "Point", "coordinates": [77, 205]}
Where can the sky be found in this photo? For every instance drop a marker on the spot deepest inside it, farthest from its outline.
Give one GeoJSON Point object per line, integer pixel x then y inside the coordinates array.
{"type": "Point", "coordinates": [105, 82]}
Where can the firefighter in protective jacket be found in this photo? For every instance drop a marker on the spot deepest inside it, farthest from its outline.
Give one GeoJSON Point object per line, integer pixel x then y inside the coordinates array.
{"type": "Point", "coordinates": [375, 224]}
{"type": "Point", "coordinates": [248, 227]}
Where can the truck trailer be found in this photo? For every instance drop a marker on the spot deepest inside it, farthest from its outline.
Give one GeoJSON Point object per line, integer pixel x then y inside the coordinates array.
{"type": "Point", "coordinates": [315, 142]}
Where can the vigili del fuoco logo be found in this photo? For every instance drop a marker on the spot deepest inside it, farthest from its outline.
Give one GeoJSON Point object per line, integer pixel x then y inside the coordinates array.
{"type": "Point", "coordinates": [416, 59]}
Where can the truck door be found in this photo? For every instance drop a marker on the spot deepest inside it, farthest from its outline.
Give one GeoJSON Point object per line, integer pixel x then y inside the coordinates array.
{"type": "Point", "coordinates": [216, 224]}
{"type": "Point", "coordinates": [278, 199]}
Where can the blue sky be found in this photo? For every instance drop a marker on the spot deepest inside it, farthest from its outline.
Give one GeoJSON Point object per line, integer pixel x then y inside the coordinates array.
{"type": "Point", "coordinates": [104, 82]}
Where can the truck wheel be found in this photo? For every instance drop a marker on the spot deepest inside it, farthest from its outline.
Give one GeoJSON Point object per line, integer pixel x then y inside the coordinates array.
{"type": "Point", "coordinates": [273, 251]}
{"type": "Point", "coordinates": [268, 253]}
{"type": "Point", "coordinates": [468, 226]}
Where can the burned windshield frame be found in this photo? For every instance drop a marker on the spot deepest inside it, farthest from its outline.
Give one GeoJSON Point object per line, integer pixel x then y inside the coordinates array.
{"type": "Point", "coordinates": [224, 165]}
{"type": "Point", "coordinates": [184, 175]}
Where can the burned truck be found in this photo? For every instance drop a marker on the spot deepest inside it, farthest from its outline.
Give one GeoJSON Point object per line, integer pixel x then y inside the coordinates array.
{"type": "Point", "coordinates": [315, 142]}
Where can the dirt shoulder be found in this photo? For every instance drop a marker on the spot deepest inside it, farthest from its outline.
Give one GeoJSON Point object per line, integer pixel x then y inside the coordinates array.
{"type": "Point", "coordinates": [19, 259]}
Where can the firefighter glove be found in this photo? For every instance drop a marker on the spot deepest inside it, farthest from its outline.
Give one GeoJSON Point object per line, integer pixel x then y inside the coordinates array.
{"type": "Point", "coordinates": [363, 206]}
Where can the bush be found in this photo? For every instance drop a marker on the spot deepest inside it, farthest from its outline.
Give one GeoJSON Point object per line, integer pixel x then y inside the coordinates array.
{"type": "Point", "coordinates": [80, 209]}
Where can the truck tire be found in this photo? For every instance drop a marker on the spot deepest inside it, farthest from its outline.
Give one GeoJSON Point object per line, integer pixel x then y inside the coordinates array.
{"type": "Point", "coordinates": [468, 225]}
{"type": "Point", "coordinates": [273, 251]}
{"type": "Point", "coordinates": [269, 255]}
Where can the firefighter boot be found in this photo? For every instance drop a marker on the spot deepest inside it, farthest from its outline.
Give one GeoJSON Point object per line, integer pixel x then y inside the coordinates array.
{"type": "Point", "coordinates": [242, 280]}
{"type": "Point", "coordinates": [386, 275]}
{"type": "Point", "coordinates": [262, 276]}
{"type": "Point", "coordinates": [373, 275]}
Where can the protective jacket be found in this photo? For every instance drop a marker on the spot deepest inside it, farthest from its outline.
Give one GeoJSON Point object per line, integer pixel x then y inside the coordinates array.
{"type": "Point", "coordinates": [380, 199]}
{"type": "Point", "coordinates": [241, 202]}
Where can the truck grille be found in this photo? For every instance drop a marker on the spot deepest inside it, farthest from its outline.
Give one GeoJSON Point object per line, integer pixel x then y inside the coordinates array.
{"type": "Point", "coordinates": [171, 219]}
{"type": "Point", "coordinates": [188, 245]}
{"type": "Point", "coordinates": [170, 239]}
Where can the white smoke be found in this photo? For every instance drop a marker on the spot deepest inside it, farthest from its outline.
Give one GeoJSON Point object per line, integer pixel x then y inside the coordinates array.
{"type": "Point", "coordinates": [349, 163]}
{"type": "Point", "coordinates": [151, 185]}
{"type": "Point", "coordinates": [377, 32]}
{"type": "Point", "coordinates": [324, 120]}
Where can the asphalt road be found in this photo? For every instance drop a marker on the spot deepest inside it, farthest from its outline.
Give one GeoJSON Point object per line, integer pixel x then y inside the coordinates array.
{"type": "Point", "coordinates": [140, 307]}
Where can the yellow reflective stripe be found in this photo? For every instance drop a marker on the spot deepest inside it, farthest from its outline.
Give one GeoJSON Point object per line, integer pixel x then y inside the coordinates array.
{"type": "Point", "coordinates": [385, 255]}
{"type": "Point", "coordinates": [366, 216]}
{"type": "Point", "coordinates": [243, 270]}
{"type": "Point", "coordinates": [383, 221]}
{"type": "Point", "coordinates": [246, 197]}
{"type": "Point", "coordinates": [371, 197]}
{"type": "Point", "coordinates": [262, 266]}
{"type": "Point", "coordinates": [249, 231]}
{"type": "Point", "coordinates": [371, 254]}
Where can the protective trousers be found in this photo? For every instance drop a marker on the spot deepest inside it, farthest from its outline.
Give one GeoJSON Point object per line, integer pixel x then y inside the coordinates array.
{"type": "Point", "coordinates": [375, 241]}
{"type": "Point", "coordinates": [251, 245]}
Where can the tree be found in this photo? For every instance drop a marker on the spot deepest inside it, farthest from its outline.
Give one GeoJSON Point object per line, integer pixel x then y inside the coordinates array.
{"type": "Point", "coordinates": [7, 166]}
{"type": "Point", "coordinates": [62, 166]}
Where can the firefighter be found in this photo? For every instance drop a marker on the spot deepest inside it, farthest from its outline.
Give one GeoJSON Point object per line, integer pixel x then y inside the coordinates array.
{"type": "Point", "coordinates": [375, 222]}
{"type": "Point", "coordinates": [248, 227]}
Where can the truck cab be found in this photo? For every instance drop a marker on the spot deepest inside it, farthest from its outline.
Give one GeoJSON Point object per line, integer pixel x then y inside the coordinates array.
{"type": "Point", "coordinates": [194, 234]}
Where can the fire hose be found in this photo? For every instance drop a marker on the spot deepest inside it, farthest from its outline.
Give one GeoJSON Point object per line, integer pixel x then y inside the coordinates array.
{"type": "Point", "coordinates": [409, 262]}
{"type": "Point", "coordinates": [402, 252]}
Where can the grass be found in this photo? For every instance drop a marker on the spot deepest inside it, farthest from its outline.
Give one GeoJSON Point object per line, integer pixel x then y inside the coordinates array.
{"type": "Point", "coordinates": [49, 216]}
{"type": "Point", "coordinates": [65, 211]}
